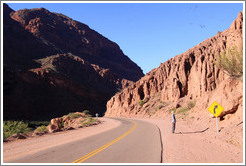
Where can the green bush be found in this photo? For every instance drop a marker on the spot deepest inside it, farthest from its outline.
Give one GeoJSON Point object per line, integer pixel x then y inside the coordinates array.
{"type": "Point", "coordinates": [14, 127]}
{"type": "Point", "coordinates": [191, 104]}
{"type": "Point", "coordinates": [73, 115]}
{"type": "Point", "coordinates": [91, 120]}
{"type": "Point", "coordinates": [86, 112]}
{"type": "Point", "coordinates": [231, 61]}
{"type": "Point", "coordinates": [88, 121]}
{"type": "Point", "coordinates": [182, 110]}
{"type": "Point", "coordinates": [83, 120]}
{"type": "Point", "coordinates": [62, 124]}
{"type": "Point", "coordinates": [41, 129]}
{"type": "Point", "coordinates": [34, 124]}
{"type": "Point", "coordinates": [173, 109]}
{"type": "Point", "coordinates": [141, 102]}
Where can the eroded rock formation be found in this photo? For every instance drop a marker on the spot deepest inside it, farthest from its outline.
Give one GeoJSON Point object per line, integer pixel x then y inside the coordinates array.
{"type": "Point", "coordinates": [190, 76]}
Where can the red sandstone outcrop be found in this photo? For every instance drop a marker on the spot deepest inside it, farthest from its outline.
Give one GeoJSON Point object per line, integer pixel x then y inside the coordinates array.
{"type": "Point", "coordinates": [68, 123]}
{"type": "Point", "coordinates": [190, 76]}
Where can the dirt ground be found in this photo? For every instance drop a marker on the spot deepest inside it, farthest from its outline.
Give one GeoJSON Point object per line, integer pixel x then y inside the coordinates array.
{"type": "Point", "coordinates": [189, 144]}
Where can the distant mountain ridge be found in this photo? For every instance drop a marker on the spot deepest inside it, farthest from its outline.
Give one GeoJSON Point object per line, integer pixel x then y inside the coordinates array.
{"type": "Point", "coordinates": [54, 65]}
{"type": "Point", "coordinates": [66, 35]}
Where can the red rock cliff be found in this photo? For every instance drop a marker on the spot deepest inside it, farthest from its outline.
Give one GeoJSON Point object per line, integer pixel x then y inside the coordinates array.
{"type": "Point", "coordinates": [190, 76]}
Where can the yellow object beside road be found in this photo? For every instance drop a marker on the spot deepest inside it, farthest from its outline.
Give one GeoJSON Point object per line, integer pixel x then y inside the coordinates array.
{"type": "Point", "coordinates": [215, 109]}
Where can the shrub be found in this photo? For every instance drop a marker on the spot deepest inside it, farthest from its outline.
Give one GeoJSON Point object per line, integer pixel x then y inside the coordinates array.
{"type": "Point", "coordinates": [231, 61]}
{"type": "Point", "coordinates": [73, 115]}
{"type": "Point", "coordinates": [88, 121]}
{"type": "Point", "coordinates": [86, 112]}
{"type": "Point", "coordinates": [41, 129]}
{"type": "Point", "coordinates": [34, 124]}
{"type": "Point", "coordinates": [173, 109]}
{"type": "Point", "coordinates": [141, 102]}
{"type": "Point", "coordinates": [88, 115]}
{"type": "Point", "coordinates": [191, 104]}
{"type": "Point", "coordinates": [182, 110]}
{"type": "Point", "coordinates": [62, 123]}
{"type": "Point", "coordinates": [91, 120]}
{"type": "Point", "coordinates": [14, 127]}
{"type": "Point", "coordinates": [83, 120]}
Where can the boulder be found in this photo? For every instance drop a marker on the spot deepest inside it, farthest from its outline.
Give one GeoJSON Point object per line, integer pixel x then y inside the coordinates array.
{"type": "Point", "coordinates": [17, 136]}
{"type": "Point", "coordinates": [53, 128]}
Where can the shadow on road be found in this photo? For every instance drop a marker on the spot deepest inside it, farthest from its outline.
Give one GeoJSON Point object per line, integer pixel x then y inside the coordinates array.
{"type": "Point", "coordinates": [193, 132]}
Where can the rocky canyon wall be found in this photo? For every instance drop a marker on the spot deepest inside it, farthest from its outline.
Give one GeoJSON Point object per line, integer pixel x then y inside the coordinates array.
{"type": "Point", "coordinates": [190, 76]}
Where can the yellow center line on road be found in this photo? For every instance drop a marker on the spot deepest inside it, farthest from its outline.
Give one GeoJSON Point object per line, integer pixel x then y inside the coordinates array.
{"type": "Point", "coordinates": [82, 159]}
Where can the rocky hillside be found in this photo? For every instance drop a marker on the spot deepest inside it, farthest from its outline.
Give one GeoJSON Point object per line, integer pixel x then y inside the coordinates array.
{"type": "Point", "coordinates": [188, 83]}
{"type": "Point", "coordinates": [54, 65]}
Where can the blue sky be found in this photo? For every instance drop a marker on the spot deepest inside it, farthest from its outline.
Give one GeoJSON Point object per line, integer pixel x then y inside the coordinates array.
{"type": "Point", "coordinates": [149, 33]}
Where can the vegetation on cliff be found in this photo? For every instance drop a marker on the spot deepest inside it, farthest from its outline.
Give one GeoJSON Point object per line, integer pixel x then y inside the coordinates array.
{"type": "Point", "coordinates": [231, 61]}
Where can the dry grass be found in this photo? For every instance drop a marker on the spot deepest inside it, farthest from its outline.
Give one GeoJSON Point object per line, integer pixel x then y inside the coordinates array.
{"type": "Point", "coordinates": [231, 61]}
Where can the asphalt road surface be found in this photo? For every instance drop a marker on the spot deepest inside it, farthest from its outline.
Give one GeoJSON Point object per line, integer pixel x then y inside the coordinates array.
{"type": "Point", "coordinates": [134, 141]}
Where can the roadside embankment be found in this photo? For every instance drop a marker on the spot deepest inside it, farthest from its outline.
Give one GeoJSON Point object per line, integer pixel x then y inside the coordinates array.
{"type": "Point", "coordinates": [18, 148]}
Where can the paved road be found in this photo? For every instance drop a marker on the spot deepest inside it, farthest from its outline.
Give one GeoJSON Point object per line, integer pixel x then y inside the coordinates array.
{"type": "Point", "coordinates": [133, 141]}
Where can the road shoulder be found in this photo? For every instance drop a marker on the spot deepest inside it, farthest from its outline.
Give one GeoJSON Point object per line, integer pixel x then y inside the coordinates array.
{"type": "Point", "coordinates": [18, 148]}
{"type": "Point", "coordinates": [191, 145]}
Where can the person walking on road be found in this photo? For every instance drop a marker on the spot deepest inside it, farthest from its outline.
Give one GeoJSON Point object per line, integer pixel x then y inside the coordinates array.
{"type": "Point", "coordinates": [173, 122]}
